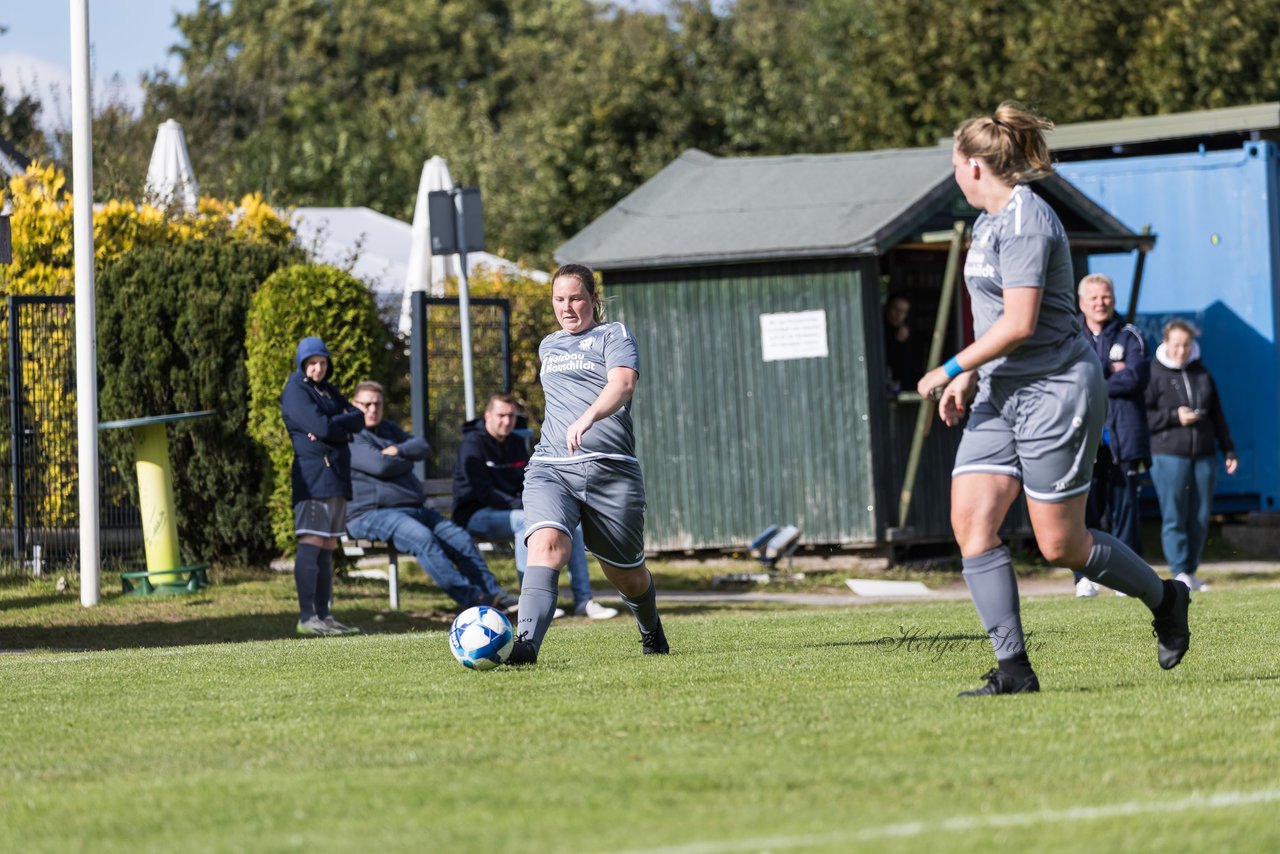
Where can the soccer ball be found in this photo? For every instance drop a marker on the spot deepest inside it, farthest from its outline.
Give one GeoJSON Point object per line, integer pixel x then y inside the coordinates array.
{"type": "Point", "coordinates": [481, 638]}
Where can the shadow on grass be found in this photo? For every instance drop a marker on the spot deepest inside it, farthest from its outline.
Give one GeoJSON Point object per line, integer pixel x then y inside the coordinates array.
{"type": "Point", "coordinates": [142, 634]}
{"type": "Point", "coordinates": [25, 602]}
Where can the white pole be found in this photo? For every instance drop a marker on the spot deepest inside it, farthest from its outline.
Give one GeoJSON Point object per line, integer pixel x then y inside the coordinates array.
{"type": "Point", "coordinates": [464, 309]}
{"type": "Point", "coordinates": [86, 341]}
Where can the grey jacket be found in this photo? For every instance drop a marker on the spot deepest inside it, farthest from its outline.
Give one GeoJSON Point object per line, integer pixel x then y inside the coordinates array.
{"type": "Point", "coordinates": [380, 480]}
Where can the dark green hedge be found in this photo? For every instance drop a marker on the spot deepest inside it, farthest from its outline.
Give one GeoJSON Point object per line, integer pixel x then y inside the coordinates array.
{"type": "Point", "coordinates": [295, 302]}
{"type": "Point", "coordinates": [171, 338]}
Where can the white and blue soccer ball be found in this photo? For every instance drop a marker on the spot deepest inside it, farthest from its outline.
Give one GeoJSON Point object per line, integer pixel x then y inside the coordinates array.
{"type": "Point", "coordinates": [481, 638]}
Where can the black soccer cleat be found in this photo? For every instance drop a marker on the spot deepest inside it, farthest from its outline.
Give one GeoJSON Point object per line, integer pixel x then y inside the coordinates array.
{"type": "Point", "coordinates": [999, 682]}
{"type": "Point", "coordinates": [1173, 635]}
{"type": "Point", "coordinates": [655, 642]}
{"type": "Point", "coordinates": [523, 652]}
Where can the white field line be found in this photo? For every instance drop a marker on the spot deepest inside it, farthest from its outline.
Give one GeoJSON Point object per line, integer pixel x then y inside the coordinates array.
{"type": "Point", "coordinates": [1222, 800]}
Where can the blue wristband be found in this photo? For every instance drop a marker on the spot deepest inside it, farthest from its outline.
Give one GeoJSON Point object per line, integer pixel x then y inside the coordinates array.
{"type": "Point", "coordinates": [952, 367]}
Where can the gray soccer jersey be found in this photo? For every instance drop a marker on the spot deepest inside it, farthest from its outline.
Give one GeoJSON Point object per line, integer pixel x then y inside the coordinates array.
{"type": "Point", "coordinates": [1024, 245]}
{"type": "Point", "coordinates": [575, 369]}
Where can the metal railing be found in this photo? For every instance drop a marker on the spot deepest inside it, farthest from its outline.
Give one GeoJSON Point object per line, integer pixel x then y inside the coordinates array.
{"type": "Point", "coordinates": [39, 525]}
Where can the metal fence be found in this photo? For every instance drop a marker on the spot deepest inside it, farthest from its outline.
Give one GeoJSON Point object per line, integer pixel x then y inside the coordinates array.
{"type": "Point", "coordinates": [443, 383]}
{"type": "Point", "coordinates": [39, 526]}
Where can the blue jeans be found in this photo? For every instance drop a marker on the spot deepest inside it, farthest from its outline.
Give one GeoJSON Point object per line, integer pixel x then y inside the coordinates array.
{"type": "Point", "coordinates": [1184, 487]}
{"type": "Point", "coordinates": [443, 550]}
{"type": "Point", "coordinates": [489, 523]}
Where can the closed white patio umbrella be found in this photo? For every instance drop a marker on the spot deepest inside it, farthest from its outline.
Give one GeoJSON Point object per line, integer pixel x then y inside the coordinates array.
{"type": "Point", "coordinates": [170, 179]}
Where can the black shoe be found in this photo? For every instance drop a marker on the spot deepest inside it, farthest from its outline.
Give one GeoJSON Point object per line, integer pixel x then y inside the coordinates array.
{"type": "Point", "coordinates": [523, 652]}
{"type": "Point", "coordinates": [1173, 635]}
{"type": "Point", "coordinates": [655, 642]}
{"type": "Point", "coordinates": [999, 682]}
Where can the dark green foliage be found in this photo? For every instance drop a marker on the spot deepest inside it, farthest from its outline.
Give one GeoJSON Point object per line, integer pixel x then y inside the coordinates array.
{"type": "Point", "coordinates": [295, 302]}
{"type": "Point", "coordinates": [557, 109]}
{"type": "Point", "coordinates": [171, 332]}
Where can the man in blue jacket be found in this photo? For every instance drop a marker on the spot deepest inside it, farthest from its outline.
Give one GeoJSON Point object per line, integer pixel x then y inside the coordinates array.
{"type": "Point", "coordinates": [1126, 439]}
{"type": "Point", "coordinates": [389, 504]}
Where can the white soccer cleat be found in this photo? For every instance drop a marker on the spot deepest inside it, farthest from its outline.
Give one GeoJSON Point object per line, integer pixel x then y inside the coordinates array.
{"type": "Point", "coordinates": [1086, 589]}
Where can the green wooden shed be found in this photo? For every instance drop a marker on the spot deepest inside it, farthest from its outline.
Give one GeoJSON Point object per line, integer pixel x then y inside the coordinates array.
{"type": "Point", "coordinates": [754, 288]}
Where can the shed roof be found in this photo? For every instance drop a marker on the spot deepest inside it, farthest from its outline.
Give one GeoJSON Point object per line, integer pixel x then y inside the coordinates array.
{"type": "Point", "coordinates": [702, 209]}
{"type": "Point", "coordinates": [1231, 122]}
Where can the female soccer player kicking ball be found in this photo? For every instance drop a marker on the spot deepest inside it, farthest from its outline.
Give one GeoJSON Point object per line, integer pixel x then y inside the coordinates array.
{"type": "Point", "coordinates": [585, 467]}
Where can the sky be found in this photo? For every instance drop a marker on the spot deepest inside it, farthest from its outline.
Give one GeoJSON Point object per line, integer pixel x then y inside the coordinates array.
{"type": "Point", "coordinates": [127, 39]}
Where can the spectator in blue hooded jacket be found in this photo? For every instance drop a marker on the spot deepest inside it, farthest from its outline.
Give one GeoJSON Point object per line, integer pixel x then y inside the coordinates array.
{"type": "Point", "coordinates": [320, 423]}
{"type": "Point", "coordinates": [1126, 441]}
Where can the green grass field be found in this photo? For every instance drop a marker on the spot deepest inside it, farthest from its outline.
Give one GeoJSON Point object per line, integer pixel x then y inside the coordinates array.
{"type": "Point", "coordinates": [779, 729]}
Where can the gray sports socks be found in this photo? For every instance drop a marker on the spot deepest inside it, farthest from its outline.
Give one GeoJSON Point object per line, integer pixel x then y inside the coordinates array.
{"type": "Point", "coordinates": [1115, 565]}
{"type": "Point", "coordinates": [993, 586]}
{"type": "Point", "coordinates": [645, 607]}
{"type": "Point", "coordinates": [538, 593]}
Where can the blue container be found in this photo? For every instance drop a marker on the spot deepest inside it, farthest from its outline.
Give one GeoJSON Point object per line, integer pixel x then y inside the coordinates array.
{"type": "Point", "coordinates": [1217, 264]}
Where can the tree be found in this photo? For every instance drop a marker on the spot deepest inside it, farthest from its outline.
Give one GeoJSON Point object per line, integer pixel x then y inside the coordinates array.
{"type": "Point", "coordinates": [20, 124]}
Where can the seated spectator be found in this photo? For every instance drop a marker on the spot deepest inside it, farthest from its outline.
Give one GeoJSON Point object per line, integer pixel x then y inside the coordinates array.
{"type": "Point", "coordinates": [488, 483]}
{"type": "Point", "coordinates": [389, 504]}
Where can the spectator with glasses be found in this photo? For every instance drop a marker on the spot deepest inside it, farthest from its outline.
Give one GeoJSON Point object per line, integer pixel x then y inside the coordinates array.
{"type": "Point", "coordinates": [390, 504]}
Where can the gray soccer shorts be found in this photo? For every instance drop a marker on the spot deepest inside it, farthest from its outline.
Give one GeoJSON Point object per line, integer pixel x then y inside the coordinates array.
{"type": "Point", "coordinates": [320, 517]}
{"type": "Point", "coordinates": [1043, 431]}
{"type": "Point", "coordinates": [605, 495]}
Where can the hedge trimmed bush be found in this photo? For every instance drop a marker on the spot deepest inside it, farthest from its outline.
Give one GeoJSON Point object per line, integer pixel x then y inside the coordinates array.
{"type": "Point", "coordinates": [171, 338]}
{"type": "Point", "coordinates": [295, 302]}
{"type": "Point", "coordinates": [43, 264]}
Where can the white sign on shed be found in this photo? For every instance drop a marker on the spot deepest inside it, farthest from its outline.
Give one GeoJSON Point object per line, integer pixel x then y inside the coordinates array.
{"type": "Point", "coordinates": [793, 335]}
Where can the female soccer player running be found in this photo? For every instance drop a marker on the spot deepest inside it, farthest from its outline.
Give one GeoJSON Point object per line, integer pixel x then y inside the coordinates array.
{"type": "Point", "coordinates": [1036, 401]}
{"type": "Point", "coordinates": [585, 467]}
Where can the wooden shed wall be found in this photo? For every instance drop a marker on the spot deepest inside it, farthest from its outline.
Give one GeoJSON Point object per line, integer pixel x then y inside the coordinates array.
{"type": "Point", "coordinates": [731, 443]}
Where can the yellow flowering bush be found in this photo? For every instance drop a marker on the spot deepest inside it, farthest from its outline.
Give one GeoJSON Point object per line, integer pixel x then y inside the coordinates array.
{"type": "Point", "coordinates": [42, 225]}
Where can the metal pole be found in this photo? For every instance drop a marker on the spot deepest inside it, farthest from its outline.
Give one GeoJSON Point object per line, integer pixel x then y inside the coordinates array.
{"type": "Point", "coordinates": [935, 356]}
{"type": "Point", "coordinates": [506, 347]}
{"type": "Point", "coordinates": [1137, 278]}
{"type": "Point", "coordinates": [418, 386]}
{"type": "Point", "coordinates": [16, 432]}
{"type": "Point", "coordinates": [464, 308]}
{"type": "Point", "coordinates": [86, 343]}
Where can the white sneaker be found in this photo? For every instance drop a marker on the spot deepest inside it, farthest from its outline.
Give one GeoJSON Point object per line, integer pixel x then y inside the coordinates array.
{"type": "Point", "coordinates": [594, 611]}
{"type": "Point", "coordinates": [1086, 589]}
{"type": "Point", "coordinates": [557, 613]}
{"type": "Point", "coordinates": [1191, 581]}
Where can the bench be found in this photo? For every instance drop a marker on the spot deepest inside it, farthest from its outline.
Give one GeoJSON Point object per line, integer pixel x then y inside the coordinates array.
{"type": "Point", "coordinates": [440, 498]}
